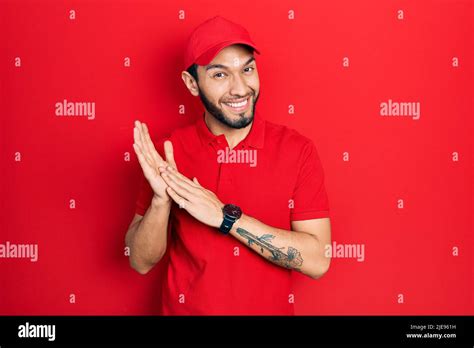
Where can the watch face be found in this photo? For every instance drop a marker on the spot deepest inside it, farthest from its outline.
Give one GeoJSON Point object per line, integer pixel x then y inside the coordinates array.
{"type": "Point", "coordinates": [232, 210]}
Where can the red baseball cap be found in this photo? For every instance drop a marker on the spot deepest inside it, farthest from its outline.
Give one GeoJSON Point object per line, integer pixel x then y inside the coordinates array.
{"type": "Point", "coordinates": [210, 37]}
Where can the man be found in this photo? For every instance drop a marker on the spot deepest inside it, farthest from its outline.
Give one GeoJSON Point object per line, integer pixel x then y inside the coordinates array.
{"type": "Point", "coordinates": [244, 197]}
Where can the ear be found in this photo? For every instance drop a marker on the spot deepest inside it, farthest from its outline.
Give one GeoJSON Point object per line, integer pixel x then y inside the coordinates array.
{"type": "Point", "coordinates": [190, 83]}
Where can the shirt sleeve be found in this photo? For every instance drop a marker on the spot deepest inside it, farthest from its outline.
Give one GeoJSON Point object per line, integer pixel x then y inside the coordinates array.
{"type": "Point", "coordinates": [145, 193]}
{"type": "Point", "coordinates": [310, 199]}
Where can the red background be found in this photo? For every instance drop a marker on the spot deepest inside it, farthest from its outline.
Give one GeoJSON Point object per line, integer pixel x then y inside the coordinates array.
{"type": "Point", "coordinates": [81, 251]}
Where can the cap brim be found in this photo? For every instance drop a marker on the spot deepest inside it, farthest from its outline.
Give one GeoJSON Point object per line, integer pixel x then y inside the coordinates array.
{"type": "Point", "coordinates": [208, 56]}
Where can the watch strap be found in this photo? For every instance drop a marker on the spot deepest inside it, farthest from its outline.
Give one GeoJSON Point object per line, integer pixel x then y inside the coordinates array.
{"type": "Point", "coordinates": [227, 224]}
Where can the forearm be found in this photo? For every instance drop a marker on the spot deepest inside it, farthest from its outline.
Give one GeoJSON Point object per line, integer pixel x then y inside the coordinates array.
{"type": "Point", "coordinates": [294, 250]}
{"type": "Point", "coordinates": [298, 250]}
{"type": "Point", "coordinates": [147, 242]}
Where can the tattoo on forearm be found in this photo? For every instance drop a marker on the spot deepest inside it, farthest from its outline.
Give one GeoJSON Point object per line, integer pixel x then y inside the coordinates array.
{"type": "Point", "coordinates": [292, 258]}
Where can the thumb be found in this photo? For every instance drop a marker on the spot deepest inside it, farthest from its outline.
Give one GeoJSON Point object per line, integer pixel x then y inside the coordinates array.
{"type": "Point", "coordinates": [169, 153]}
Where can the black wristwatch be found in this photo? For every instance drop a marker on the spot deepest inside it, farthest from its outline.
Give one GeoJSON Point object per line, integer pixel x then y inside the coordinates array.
{"type": "Point", "coordinates": [231, 214]}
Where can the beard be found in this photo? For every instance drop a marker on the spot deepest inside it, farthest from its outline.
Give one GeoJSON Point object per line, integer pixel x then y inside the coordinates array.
{"type": "Point", "coordinates": [219, 114]}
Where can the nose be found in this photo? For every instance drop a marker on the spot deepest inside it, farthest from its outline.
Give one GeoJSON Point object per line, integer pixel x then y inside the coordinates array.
{"type": "Point", "coordinates": [239, 86]}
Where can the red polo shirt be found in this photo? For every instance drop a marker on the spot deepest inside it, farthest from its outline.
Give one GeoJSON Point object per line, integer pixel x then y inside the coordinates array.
{"type": "Point", "coordinates": [209, 273]}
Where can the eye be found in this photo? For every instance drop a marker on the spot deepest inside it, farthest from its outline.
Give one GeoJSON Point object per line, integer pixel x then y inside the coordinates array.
{"type": "Point", "coordinates": [219, 73]}
{"type": "Point", "coordinates": [249, 67]}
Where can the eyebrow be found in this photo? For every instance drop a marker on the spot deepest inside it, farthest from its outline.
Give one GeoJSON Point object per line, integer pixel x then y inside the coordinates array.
{"type": "Point", "coordinates": [220, 66]}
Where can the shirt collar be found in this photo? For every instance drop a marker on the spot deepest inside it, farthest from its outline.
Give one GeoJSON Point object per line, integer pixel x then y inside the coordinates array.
{"type": "Point", "coordinates": [255, 138]}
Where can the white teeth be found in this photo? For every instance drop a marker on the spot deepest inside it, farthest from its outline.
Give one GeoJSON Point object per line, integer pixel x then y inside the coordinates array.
{"type": "Point", "coordinates": [238, 105]}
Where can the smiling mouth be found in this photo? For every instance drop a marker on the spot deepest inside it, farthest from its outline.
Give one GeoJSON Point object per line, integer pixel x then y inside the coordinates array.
{"type": "Point", "coordinates": [238, 105]}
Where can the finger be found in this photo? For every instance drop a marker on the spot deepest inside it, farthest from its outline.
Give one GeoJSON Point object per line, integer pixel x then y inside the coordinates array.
{"type": "Point", "coordinates": [195, 180]}
{"type": "Point", "coordinates": [180, 178]}
{"type": "Point", "coordinates": [143, 145]}
{"type": "Point", "coordinates": [140, 149]}
{"type": "Point", "coordinates": [136, 133]}
{"type": "Point", "coordinates": [137, 137]}
{"type": "Point", "coordinates": [151, 147]}
{"type": "Point", "coordinates": [140, 155]}
{"type": "Point", "coordinates": [181, 183]}
{"type": "Point", "coordinates": [170, 154]}
{"type": "Point", "coordinates": [147, 169]}
{"type": "Point", "coordinates": [178, 187]}
{"type": "Point", "coordinates": [182, 202]}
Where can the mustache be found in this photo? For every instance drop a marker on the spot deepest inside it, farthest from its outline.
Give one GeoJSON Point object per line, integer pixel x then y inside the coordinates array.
{"type": "Point", "coordinates": [239, 98]}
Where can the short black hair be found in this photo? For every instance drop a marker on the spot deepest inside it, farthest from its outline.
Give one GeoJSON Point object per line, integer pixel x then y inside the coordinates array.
{"type": "Point", "coordinates": [193, 71]}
